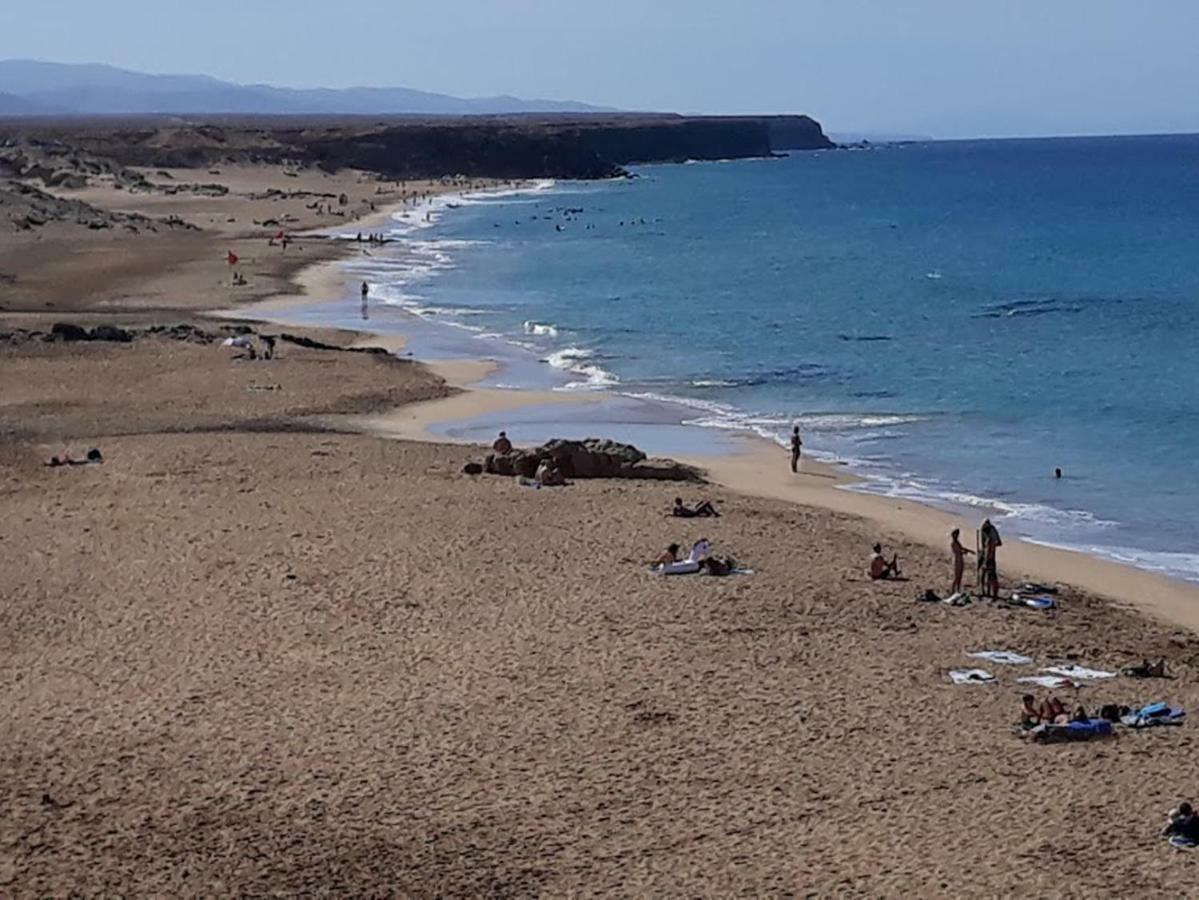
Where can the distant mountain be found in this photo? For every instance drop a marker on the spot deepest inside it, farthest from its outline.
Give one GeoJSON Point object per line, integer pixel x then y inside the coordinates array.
{"type": "Point", "coordinates": [12, 105]}
{"type": "Point", "coordinates": [28, 87]}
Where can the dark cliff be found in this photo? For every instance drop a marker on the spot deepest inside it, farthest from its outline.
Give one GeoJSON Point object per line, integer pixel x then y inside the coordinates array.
{"type": "Point", "coordinates": [496, 147]}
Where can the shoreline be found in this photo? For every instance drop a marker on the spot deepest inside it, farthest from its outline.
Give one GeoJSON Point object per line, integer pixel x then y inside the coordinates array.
{"type": "Point", "coordinates": [749, 470]}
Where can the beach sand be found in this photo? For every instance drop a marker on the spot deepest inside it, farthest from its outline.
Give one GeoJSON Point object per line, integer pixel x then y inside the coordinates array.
{"type": "Point", "coordinates": [254, 652]}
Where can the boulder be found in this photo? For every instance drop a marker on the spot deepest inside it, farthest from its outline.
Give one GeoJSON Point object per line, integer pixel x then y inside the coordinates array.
{"type": "Point", "coordinates": [592, 458]}
{"type": "Point", "coordinates": [66, 331]}
{"type": "Point", "coordinates": [111, 333]}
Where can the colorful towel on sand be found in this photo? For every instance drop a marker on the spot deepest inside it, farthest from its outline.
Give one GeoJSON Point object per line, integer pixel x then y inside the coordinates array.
{"type": "Point", "coordinates": [971, 676]}
{"type": "Point", "coordinates": [1153, 715]}
{"type": "Point", "coordinates": [1086, 730]}
{"type": "Point", "coordinates": [1079, 673]}
{"type": "Point", "coordinates": [1003, 657]}
{"type": "Point", "coordinates": [1178, 842]}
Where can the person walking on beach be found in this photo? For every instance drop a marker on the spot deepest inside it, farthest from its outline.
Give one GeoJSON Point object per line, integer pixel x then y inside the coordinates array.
{"type": "Point", "coordinates": [366, 288]}
{"type": "Point", "coordinates": [796, 449]}
{"type": "Point", "coordinates": [959, 560]}
{"type": "Point", "coordinates": [988, 559]}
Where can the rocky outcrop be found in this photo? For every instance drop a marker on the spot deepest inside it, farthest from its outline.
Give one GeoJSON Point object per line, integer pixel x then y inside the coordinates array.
{"type": "Point", "coordinates": [538, 146]}
{"type": "Point", "coordinates": [591, 458]}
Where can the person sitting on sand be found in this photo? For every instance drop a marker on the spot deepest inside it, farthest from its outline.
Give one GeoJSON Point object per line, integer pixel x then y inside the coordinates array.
{"type": "Point", "coordinates": [714, 565]}
{"type": "Point", "coordinates": [880, 569]}
{"type": "Point", "coordinates": [702, 510]}
{"type": "Point", "coordinates": [959, 560]}
{"type": "Point", "coordinates": [1080, 714]}
{"type": "Point", "coordinates": [502, 445]}
{"type": "Point", "coordinates": [671, 555]}
{"type": "Point", "coordinates": [549, 475]}
{"type": "Point", "coordinates": [1030, 716]}
{"type": "Point", "coordinates": [1182, 822]}
{"type": "Point", "coordinates": [1052, 711]}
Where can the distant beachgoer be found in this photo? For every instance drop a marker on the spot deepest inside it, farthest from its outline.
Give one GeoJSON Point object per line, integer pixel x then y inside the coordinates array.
{"type": "Point", "coordinates": [702, 510]}
{"type": "Point", "coordinates": [1053, 712]}
{"type": "Point", "coordinates": [269, 340]}
{"type": "Point", "coordinates": [1146, 670]}
{"type": "Point", "coordinates": [959, 559]}
{"type": "Point", "coordinates": [714, 565]}
{"type": "Point", "coordinates": [502, 445]}
{"type": "Point", "coordinates": [242, 342]}
{"type": "Point", "coordinates": [366, 289]}
{"type": "Point", "coordinates": [549, 475]}
{"type": "Point", "coordinates": [1029, 714]}
{"type": "Point", "coordinates": [880, 569]}
{"type": "Point", "coordinates": [670, 556]}
{"type": "Point", "coordinates": [796, 448]}
{"type": "Point", "coordinates": [1057, 473]}
{"type": "Point", "coordinates": [988, 562]}
{"type": "Point", "coordinates": [1182, 822]}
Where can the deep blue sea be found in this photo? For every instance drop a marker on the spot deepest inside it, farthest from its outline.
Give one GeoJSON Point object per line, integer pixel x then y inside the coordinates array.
{"type": "Point", "coordinates": [954, 320]}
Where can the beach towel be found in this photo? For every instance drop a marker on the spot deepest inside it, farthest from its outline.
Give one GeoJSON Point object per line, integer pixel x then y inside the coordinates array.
{"type": "Point", "coordinates": [1003, 657]}
{"type": "Point", "coordinates": [971, 676]}
{"type": "Point", "coordinates": [1179, 842]}
{"type": "Point", "coordinates": [958, 599]}
{"type": "Point", "coordinates": [1153, 715]}
{"type": "Point", "coordinates": [1079, 673]}
{"type": "Point", "coordinates": [1040, 602]}
{"type": "Point", "coordinates": [1086, 730]}
{"type": "Point", "coordinates": [1047, 681]}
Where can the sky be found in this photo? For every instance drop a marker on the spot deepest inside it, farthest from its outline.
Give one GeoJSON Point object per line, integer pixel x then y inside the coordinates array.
{"type": "Point", "coordinates": [943, 68]}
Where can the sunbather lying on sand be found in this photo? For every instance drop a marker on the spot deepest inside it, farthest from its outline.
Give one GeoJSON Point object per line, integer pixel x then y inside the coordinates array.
{"type": "Point", "coordinates": [1145, 670]}
{"type": "Point", "coordinates": [880, 569]}
{"type": "Point", "coordinates": [702, 510]}
{"type": "Point", "coordinates": [93, 456]}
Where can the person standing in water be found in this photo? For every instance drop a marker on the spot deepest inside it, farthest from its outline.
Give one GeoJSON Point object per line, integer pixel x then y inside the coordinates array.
{"type": "Point", "coordinates": [959, 559]}
{"type": "Point", "coordinates": [796, 449]}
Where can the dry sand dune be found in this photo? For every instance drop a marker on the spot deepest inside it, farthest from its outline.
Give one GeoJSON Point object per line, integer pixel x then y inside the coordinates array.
{"type": "Point", "coordinates": [284, 663]}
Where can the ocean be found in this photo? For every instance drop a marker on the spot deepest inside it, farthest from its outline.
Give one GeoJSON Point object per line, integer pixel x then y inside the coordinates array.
{"type": "Point", "coordinates": [952, 320]}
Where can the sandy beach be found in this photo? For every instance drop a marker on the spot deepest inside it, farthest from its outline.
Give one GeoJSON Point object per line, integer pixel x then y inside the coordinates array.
{"type": "Point", "coordinates": [278, 643]}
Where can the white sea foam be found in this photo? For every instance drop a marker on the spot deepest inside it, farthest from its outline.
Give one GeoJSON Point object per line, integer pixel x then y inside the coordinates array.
{"type": "Point", "coordinates": [1176, 565]}
{"type": "Point", "coordinates": [539, 328]}
{"type": "Point", "coordinates": [574, 359]}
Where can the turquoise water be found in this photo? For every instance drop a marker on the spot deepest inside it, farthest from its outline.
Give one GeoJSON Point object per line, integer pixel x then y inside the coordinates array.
{"type": "Point", "coordinates": [954, 320]}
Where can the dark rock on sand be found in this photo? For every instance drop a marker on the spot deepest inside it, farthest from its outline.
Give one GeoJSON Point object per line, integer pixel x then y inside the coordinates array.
{"type": "Point", "coordinates": [66, 331]}
{"type": "Point", "coordinates": [592, 458]}
{"type": "Point", "coordinates": [110, 333]}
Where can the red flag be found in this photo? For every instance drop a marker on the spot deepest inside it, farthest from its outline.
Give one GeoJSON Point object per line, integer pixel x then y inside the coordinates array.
{"type": "Point", "coordinates": [279, 236]}
{"type": "Point", "coordinates": [232, 257]}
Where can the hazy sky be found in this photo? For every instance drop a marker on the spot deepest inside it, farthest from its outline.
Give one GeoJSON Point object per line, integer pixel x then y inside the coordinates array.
{"type": "Point", "coordinates": [941, 67]}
